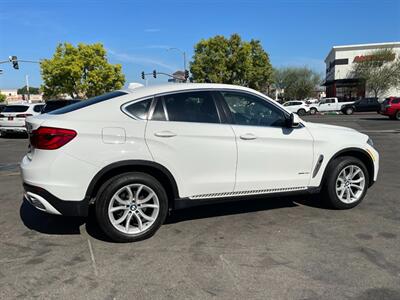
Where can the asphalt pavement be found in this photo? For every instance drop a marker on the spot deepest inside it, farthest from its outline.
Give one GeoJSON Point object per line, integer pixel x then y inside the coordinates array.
{"type": "Point", "coordinates": [284, 248]}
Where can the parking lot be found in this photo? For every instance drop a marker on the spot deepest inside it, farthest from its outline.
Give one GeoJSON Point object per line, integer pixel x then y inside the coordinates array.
{"type": "Point", "coordinates": [286, 248]}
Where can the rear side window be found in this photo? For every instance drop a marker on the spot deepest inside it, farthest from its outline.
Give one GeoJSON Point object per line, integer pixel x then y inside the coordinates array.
{"type": "Point", "coordinates": [88, 102]}
{"type": "Point", "coordinates": [191, 107]}
{"type": "Point", "coordinates": [16, 108]}
{"type": "Point", "coordinates": [139, 109]}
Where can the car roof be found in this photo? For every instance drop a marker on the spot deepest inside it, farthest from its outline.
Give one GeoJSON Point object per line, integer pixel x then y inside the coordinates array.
{"type": "Point", "coordinates": [176, 87]}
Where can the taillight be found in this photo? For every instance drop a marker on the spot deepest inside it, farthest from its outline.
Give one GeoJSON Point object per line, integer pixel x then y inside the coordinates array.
{"type": "Point", "coordinates": [49, 138]}
{"type": "Point", "coordinates": [23, 115]}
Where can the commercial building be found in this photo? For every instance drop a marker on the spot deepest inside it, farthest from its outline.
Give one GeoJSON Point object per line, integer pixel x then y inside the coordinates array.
{"type": "Point", "coordinates": [339, 64]}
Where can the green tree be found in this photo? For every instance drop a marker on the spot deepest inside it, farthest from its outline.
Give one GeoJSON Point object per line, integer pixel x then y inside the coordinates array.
{"type": "Point", "coordinates": [32, 90]}
{"type": "Point", "coordinates": [232, 61]}
{"type": "Point", "coordinates": [2, 97]}
{"type": "Point", "coordinates": [380, 70]}
{"type": "Point", "coordinates": [297, 82]}
{"type": "Point", "coordinates": [80, 72]}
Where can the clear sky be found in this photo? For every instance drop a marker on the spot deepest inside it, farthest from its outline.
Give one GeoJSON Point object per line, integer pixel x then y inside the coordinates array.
{"type": "Point", "coordinates": [137, 34]}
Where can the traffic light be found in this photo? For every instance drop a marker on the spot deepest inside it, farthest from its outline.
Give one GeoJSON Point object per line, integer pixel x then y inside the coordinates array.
{"type": "Point", "coordinates": [186, 74]}
{"type": "Point", "coordinates": [142, 75]}
{"type": "Point", "coordinates": [14, 60]}
{"type": "Point", "coordinates": [154, 73]}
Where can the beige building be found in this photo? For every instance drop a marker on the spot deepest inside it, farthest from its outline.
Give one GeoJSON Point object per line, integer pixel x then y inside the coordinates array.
{"type": "Point", "coordinates": [339, 63]}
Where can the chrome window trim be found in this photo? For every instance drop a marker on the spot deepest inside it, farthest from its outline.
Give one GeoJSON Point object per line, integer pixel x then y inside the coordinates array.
{"type": "Point", "coordinates": [261, 97]}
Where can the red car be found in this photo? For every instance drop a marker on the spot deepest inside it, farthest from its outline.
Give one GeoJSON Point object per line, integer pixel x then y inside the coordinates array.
{"type": "Point", "coordinates": [391, 107]}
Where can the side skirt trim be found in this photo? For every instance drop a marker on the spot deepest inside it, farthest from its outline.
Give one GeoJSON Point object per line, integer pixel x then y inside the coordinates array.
{"type": "Point", "coordinates": [246, 193]}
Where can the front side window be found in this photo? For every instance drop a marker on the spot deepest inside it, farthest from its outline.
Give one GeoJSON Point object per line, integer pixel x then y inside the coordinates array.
{"type": "Point", "coordinates": [247, 109]}
{"type": "Point", "coordinates": [139, 109]}
{"type": "Point", "coordinates": [191, 107]}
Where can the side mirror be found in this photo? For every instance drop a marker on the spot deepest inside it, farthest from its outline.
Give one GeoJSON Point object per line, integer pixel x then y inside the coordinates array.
{"type": "Point", "coordinates": [293, 121]}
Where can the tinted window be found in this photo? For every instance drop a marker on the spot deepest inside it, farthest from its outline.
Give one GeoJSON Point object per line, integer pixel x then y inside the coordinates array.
{"type": "Point", "coordinates": [53, 105]}
{"type": "Point", "coordinates": [88, 102]}
{"type": "Point", "coordinates": [139, 109]}
{"type": "Point", "coordinates": [191, 107]}
{"type": "Point", "coordinates": [16, 108]}
{"type": "Point", "coordinates": [395, 101]}
{"type": "Point", "coordinates": [250, 110]}
{"type": "Point", "coordinates": [158, 113]}
{"type": "Point", "coordinates": [38, 108]}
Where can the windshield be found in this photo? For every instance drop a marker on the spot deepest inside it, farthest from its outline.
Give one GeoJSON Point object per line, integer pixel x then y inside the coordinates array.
{"type": "Point", "coordinates": [88, 102]}
{"type": "Point", "coordinates": [16, 108]}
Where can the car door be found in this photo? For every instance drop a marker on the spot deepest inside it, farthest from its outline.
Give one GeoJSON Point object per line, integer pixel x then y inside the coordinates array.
{"type": "Point", "coordinates": [270, 155]}
{"type": "Point", "coordinates": [185, 134]}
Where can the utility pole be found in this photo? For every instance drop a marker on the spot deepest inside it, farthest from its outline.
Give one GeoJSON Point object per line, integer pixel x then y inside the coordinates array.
{"type": "Point", "coordinates": [27, 87]}
{"type": "Point", "coordinates": [183, 54]}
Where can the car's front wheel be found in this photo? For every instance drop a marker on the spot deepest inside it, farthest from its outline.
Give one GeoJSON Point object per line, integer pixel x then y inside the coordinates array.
{"type": "Point", "coordinates": [346, 183]}
{"type": "Point", "coordinates": [301, 112]}
{"type": "Point", "coordinates": [397, 115]}
{"type": "Point", "coordinates": [131, 207]}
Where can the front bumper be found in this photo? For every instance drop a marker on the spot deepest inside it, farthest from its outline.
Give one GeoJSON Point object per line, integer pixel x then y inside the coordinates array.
{"type": "Point", "coordinates": [45, 201]}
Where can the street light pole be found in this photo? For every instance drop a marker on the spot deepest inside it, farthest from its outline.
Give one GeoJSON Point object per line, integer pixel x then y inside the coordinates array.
{"type": "Point", "coordinates": [184, 56]}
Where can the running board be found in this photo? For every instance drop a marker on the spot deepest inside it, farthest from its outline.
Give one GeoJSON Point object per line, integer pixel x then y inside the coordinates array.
{"type": "Point", "coordinates": [247, 193]}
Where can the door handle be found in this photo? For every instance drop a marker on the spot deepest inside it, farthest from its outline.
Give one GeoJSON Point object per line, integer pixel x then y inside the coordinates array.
{"type": "Point", "coordinates": [248, 136]}
{"type": "Point", "coordinates": [165, 134]}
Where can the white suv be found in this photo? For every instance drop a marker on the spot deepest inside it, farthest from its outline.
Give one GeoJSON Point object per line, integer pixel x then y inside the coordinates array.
{"type": "Point", "coordinates": [135, 154]}
{"type": "Point", "coordinates": [12, 118]}
{"type": "Point", "coordinates": [297, 106]}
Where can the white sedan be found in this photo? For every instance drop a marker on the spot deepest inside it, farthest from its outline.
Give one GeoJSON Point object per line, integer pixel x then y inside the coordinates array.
{"type": "Point", "coordinates": [297, 106]}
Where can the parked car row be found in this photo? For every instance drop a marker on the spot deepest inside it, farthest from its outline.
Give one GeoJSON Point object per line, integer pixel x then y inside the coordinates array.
{"type": "Point", "coordinates": [390, 107]}
{"type": "Point", "coordinates": [12, 117]}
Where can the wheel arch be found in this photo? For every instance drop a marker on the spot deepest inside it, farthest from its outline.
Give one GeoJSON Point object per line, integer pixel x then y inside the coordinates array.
{"type": "Point", "coordinates": [359, 153]}
{"type": "Point", "coordinates": [154, 169]}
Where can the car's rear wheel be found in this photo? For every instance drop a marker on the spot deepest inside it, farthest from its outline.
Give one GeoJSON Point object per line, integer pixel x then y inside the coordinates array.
{"type": "Point", "coordinates": [301, 112]}
{"type": "Point", "coordinates": [346, 183]}
{"type": "Point", "coordinates": [397, 115]}
{"type": "Point", "coordinates": [131, 207]}
{"type": "Point", "coordinates": [349, 111]}
{"type": "Point", "coordinates": [313, 111]}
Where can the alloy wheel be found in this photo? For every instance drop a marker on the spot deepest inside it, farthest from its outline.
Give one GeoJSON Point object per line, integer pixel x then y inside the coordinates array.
{"type": "Point", "coordinates": [350, 184]}
{"type": "Point", "coordinates": [133, 209]}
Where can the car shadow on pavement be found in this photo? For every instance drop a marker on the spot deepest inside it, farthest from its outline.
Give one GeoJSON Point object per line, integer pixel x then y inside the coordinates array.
{"type": "Point", "coordinates": [53, 224]}
{"type": "Point", "coordinates": [236, 207]}
{"type": "Point", "coordinates": [46, 223]}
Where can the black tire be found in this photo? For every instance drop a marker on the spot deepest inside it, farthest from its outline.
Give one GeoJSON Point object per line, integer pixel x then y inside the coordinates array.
{"type": "Point", "coordinates": [397, 115]}
{"type": "Point", "coordinates": [301, 112]}
{"type": "Point", "coordinates": [349, 111]}
{"type": "Point", "coordinates": [329, 186]}
{"type": "Point", "coordinates": [108, 190]}
{"type": "Point", "coordinates": [313, 111]}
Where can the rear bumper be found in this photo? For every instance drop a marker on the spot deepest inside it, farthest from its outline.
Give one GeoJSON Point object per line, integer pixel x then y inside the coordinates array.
{"type": "Point", "coordinates": [47, 202]}
{"type": "Point", "coordinates": [12, 128]}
